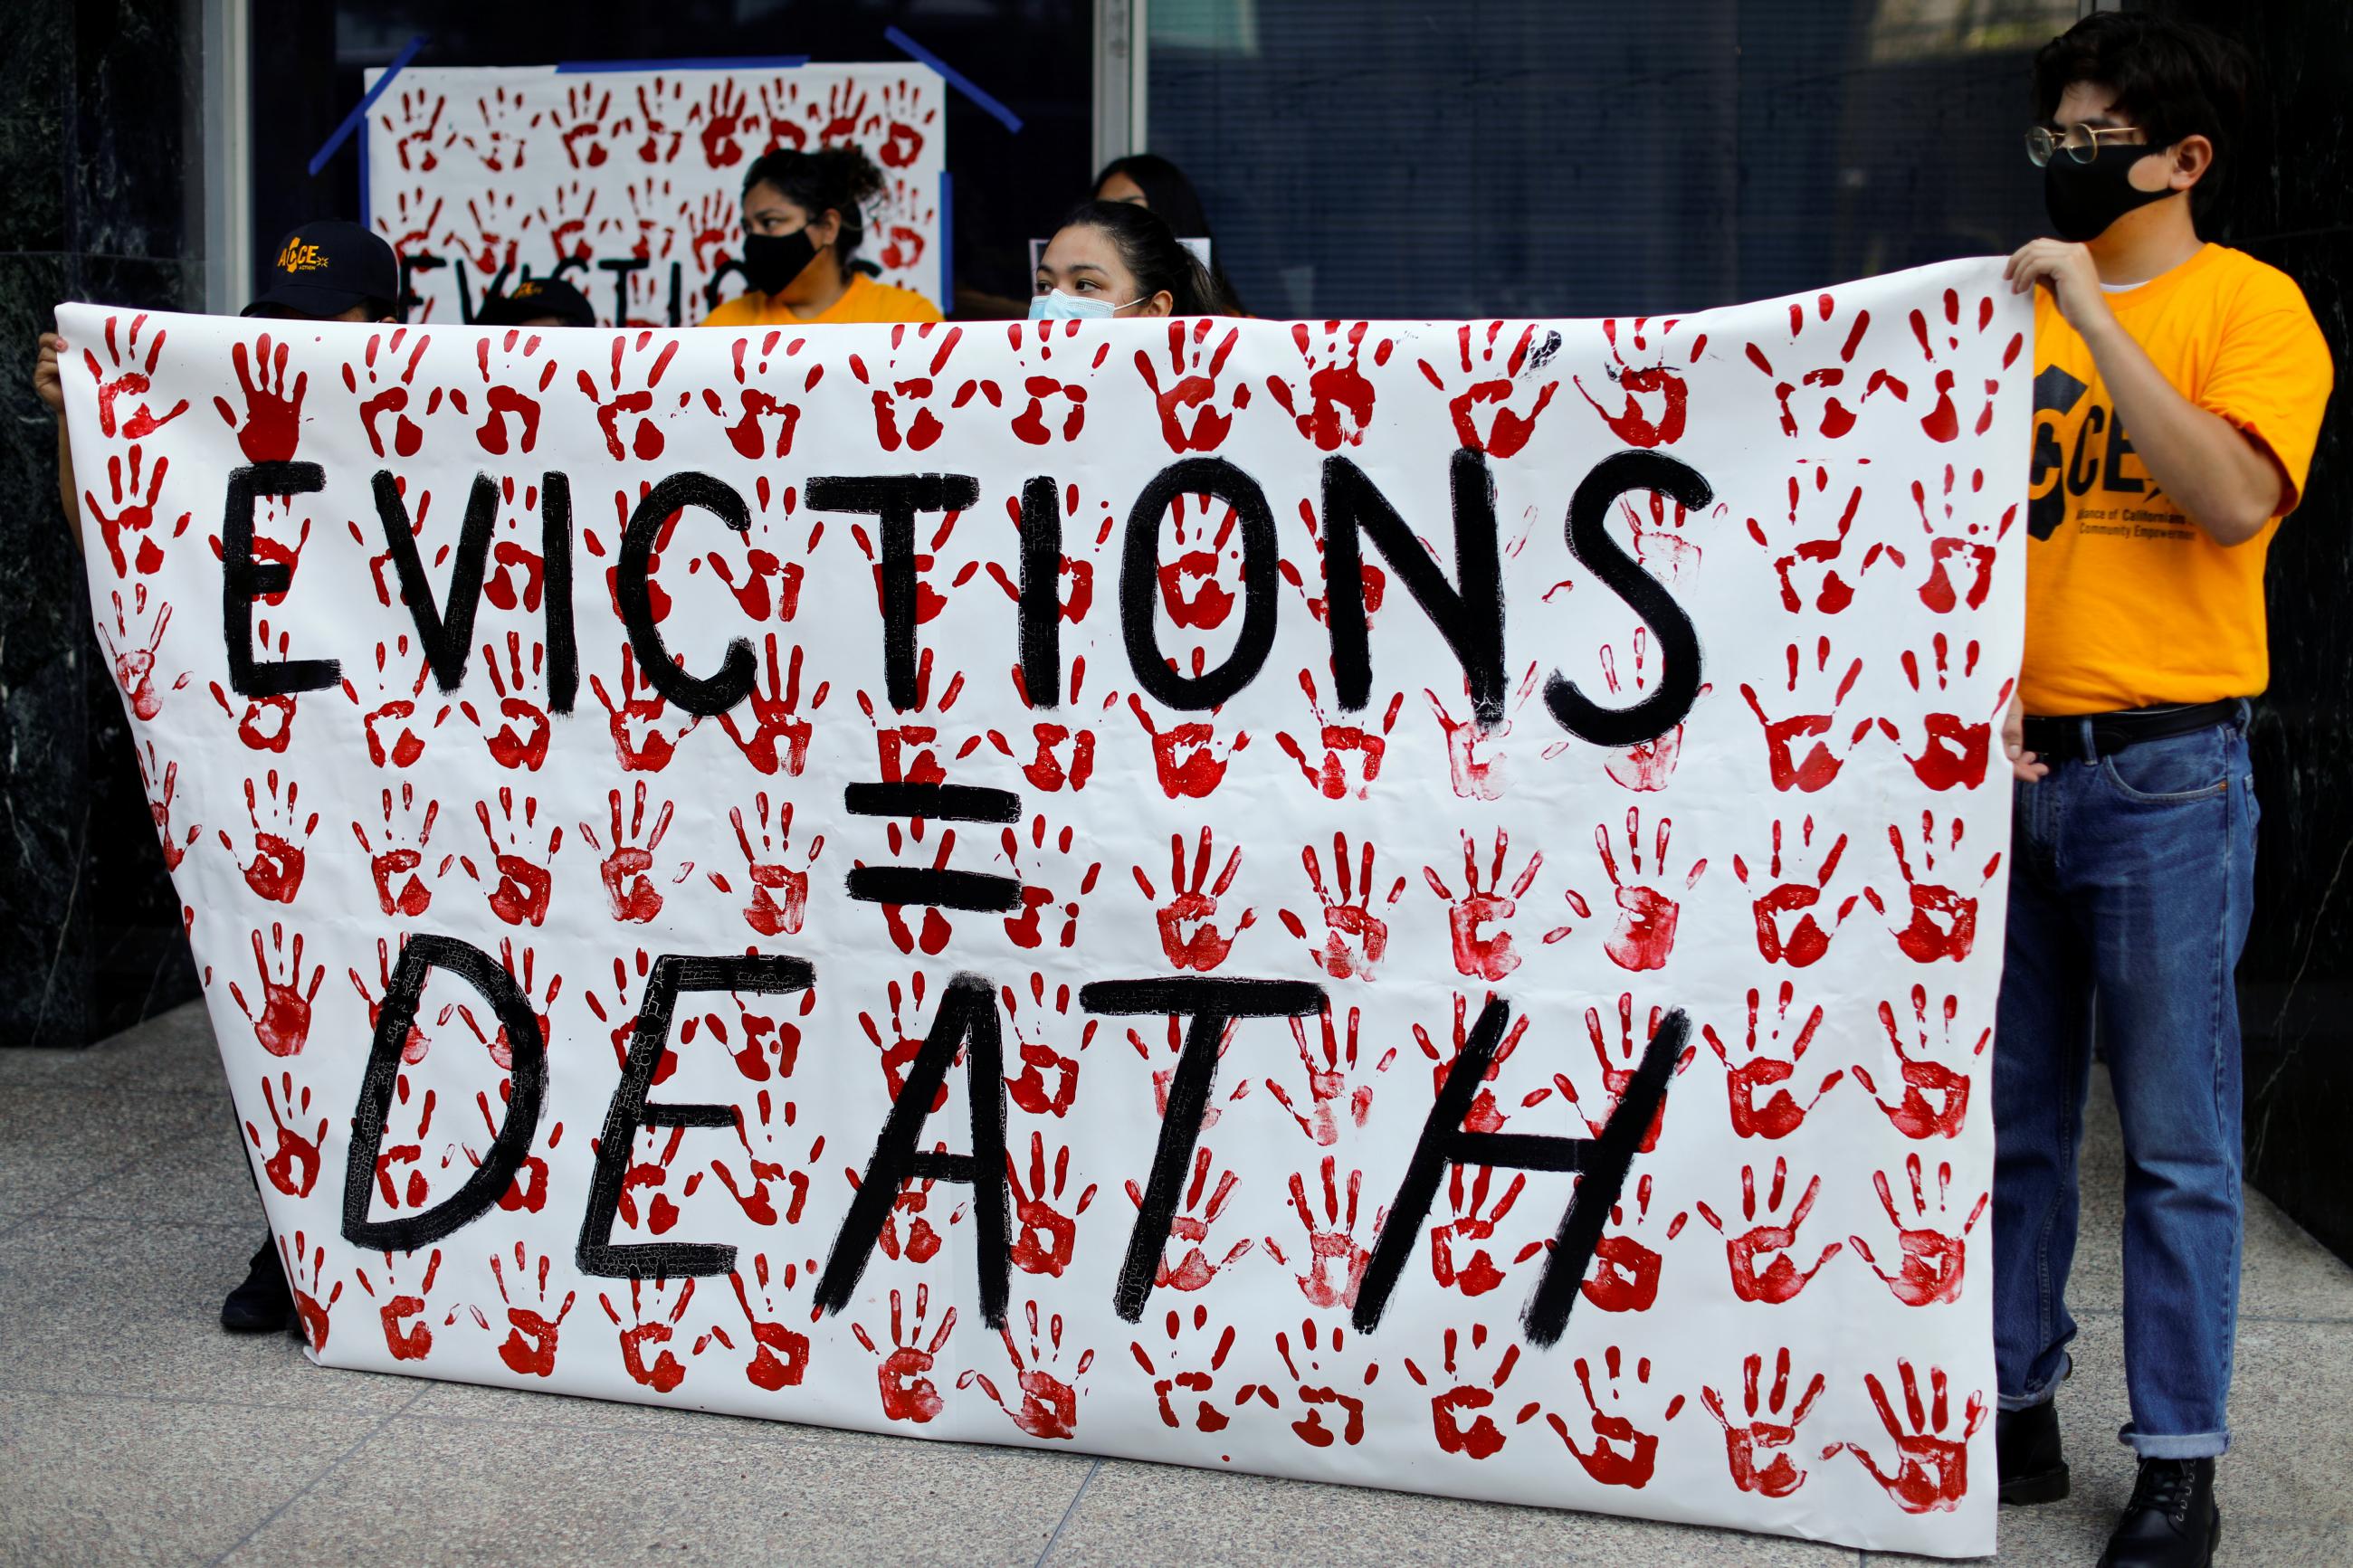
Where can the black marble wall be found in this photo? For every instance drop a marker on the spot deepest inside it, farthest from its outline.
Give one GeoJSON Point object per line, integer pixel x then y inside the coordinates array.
{"type": "Point", "coordinates": [2291, 202]}
{"type": "Point", "coordinates": [96, 203]}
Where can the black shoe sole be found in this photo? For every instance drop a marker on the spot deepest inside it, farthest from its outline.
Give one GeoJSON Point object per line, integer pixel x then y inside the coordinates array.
{"type": "Point", "coordinates": [246, 1323]}
{"type": "Point", "coordinates": [2046, 1486]}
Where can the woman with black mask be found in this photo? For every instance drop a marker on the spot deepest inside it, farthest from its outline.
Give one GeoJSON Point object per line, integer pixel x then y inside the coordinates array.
{"type": "Point", "coordinates": [1148, 180]}
{"type": "Point", "coordinates": [803, 216]}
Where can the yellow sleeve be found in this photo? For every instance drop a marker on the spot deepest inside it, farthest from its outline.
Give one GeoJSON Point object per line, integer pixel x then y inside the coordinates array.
{"type": "Point", "coordinates": [742, 310]}
{"type": "Point", "coordinates": [2272, 376]}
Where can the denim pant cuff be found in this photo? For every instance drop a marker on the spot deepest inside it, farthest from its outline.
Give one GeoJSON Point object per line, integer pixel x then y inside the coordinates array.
{"type": "Point", "coordinates": [2193, 1445]}
{"type": "Point", "coordinates": [2041, 1395]}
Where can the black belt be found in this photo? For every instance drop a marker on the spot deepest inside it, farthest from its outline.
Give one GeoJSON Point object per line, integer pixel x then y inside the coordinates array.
{"type": "Point", "coordinates": [2062, 740]}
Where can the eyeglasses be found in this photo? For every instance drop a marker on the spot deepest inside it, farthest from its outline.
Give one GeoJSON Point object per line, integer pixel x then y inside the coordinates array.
{"type": "Point", "coordinates": [2081, 142]}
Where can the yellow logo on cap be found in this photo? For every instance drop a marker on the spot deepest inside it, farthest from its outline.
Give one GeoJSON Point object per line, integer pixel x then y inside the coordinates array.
{"type": "Point", "coordinates": [527, 291]}
{"type": "Point", "coordinates": [298, 257]}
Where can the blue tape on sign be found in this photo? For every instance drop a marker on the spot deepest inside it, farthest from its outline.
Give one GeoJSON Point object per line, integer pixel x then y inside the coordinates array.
{"type": "Point", "coordinates": [955, 79]}
{"type": "Point", "coordinates": [358, 116]}
{"type": "Point", "coordinates": [708, 62]}
{"type": "Point", "coordinates": [947, 245]}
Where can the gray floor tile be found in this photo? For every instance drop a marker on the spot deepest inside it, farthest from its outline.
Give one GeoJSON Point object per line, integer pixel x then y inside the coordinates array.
{"type": "Point", "coordinates": [130, 1480]}
{"type": "Point", "coordinates": [202, 1179]}
{"type": "Point", "coordinates": [89, 1305]}
{"type": "Point", "coordinates": [1136, 1513]}
{"type": "Point", "coordinates": [170, 1053]}
{"type": "Point", "coordinates": [526, 1407]}
{"type": "Point", "coordinates": [692, 1493]}
{"type": "Point", "coordinates": [57, 1140]}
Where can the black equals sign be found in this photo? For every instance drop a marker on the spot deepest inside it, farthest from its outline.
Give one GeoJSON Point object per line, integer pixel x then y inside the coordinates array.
{"type": "Point", "coordinates": [926, 885]}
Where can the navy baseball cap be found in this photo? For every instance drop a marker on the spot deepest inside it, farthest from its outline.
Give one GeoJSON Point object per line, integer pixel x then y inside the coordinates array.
{"type": "Point", "coordinates": [534, 299]}
{"type": "Point", "coordinates": [322, 269]}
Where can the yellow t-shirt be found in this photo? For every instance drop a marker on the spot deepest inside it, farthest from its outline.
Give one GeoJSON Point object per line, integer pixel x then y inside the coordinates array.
{"type": "Point", "coordinates": [2128, 603]}
{"type": "Point", "coordinates": [863, 300]}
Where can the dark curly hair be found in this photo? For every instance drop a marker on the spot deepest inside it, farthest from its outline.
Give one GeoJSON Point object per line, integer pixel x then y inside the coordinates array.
{"type": "Point", "coordinates": [2173, 79]}
{"type": "Point", "coordinates": [841, 180]}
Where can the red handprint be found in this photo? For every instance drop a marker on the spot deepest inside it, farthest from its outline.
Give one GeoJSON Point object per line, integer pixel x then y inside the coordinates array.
{"type": "Point", "coordinates": [1821, 764]}
{"type": "Point", "coordinates": [1200, 588]}
{"type": "Point", "coordinates": [134, 516]}
{"type": "Point", "coordinates": [628, 887]}
{"type": "Point", "coordinates": [1635, 423]}
{"type": "Point", "coordinates": [1195, 370]}
{"type": "Point", "coordinates": [1935, 1098]}
{"type": "Point", "coordinates": [1932, 1471]}
{"type": "Point", "coordinates": [1351, 755]}
{"type": "Point", "coordinates": [524, 877]}
{"type": "Point", "coordinates": [529, 1349]}
{"type": "Point", "coordinates": [1961, 547]}
{"type": "Point", "coordinates": [416, 1044]}
{"type": "Point", "coordinates": [1647, 766]}
{"type": "Point", "coordinates": [1047, 1084]}
{"type": "Point", "coordinates": [1317, 1389]}
{"type": "Point", "coordinates": [752, 1194]}
{"type": "Point", "coordinates": [1805, 940]}
{"type": "Point", "coordinates": [1188, 934]}
{"type": "Point", "coordinates": [1042, 385]}
{"type": "Point", "coordinates": [1473, 776]}
{"type": "Point", "coordinates": [783, 1357]}
{"type": "Point", "coordinates": [1953, 750]}
{"type": "Point", "coordinates": [283, 1023]}
{"type": "Point", "coordinates": [1334, 405]}
{"type": "Point", "coordinates": [1173, 1040]}
{"type": "Point", "coordinates": [504, 397]}
{"type": "Point", "coordinates": [273, 414]}
{"type": "Point", "coordinates": [1050, 1406]}
{"type": "Point", "coordinates": [1048, 769]}
{"type": "Point", "coordinates": [275, 872]}
{"type": "Point", "coordinates": [1355, 938]}
{"type": "Point", "coordinates": [1625, 1269]}
{"type": "Point", "coordinates": [1944, 922]}
{"type": "Point", "coordinates": [1484, 1115]}
{"type": "Point", "coordinates": [1044, 1235]}
{"type": "Point", "coordinates": [662, 111]}
{"type": "Point", "coordinates": [1934, 1251]}
{"type": "Point", "coordinates": [406, 833]}
{"type": "Point", "coordinates": [159, 805]}
{"type": "Point", "coordinates": [747, 435]}
{"type": "Point", "coordinates": [308, 1308]}
{"type": "Point", "coordinates": [909, 118]}
{"type": "Point", "coordinates": [725, 123]}
{"type": "Point", "coordinates": [1617, 1072]}
{"type": "Point", "coordinates": [292, 1165]}
{"type": "Point", "coordinates": [580, 124]}
{"type": "Point", "coordinates": [1943, 423]}
{"type": "Point", "coordinates": [842, 114]}
{"type": "Point", "coordinates": [525, 729]}
{"type": "Point", "coordinates": [646, 443]}
{"type": "Point", "coordinates": [914, 374]}
{"type": "Point", "coordinates": [134, 670]}
{"type": "Point", "coordinates": [769, 580]}
{"type": "Point", "coordinates": [779, 889]}
{"type": "Point", "coordinates": [1481, 382]}
{"type": "Point", "coordinates": [1049, 853]}
{"type": "Point", "coordinates": [1644, 937]}
{"type": "Point", "coordinates": [1329, 1094]}
{"type": "Point", "coordinates": [267, 722]}
{"type": "Point", "coordinates": [1480, 953]}
{"type": "Point", "coordinates": [1481, 1440]}
{"type": "Point", "coordinates": [777, 739]}
{"type": "Point", "coordinates": [1807, 565]}
{"type": "Point", "coordinates": [1825, 381]}
{"type": "Point", "coordinates": [620, 1019]}
{"type": "Point", "coordinates": [907, 1393]}
{"type": "Point", "coordinates": [1334, 1259]}
{"type": "Point", "coordinates": [900, 1051]}
{"type": "Point", "coordinates": [649, 1329]}
{"type": "Point", "coordinates": [1758, 1451]}
{"type": "Point", "coordinates": [1606, 1463]}
{"type": "Point", "coordinates": [391, 724]}
{"type": "Point", "coordinates": [407, 1341]}
{"type": "Point", "coordinates": [393, 379]}
{"type": "Point", "coordinates": [131, 377]}
{"type": "Point", "coordinates": [416, 134]}
{"type": "Point", "coordinates": [1457, 1260]}
{"type": "Point", "coordinates": [1185, 1369]}
{"type": "Point", "coordinates": [1767, 1238]}
{"type": "Point", "coordinates": [1190, 1227]}
{"type": "Point", "coordinates": [641, 740]}
{"type": "Point", "coordinates": [1764, 1070]}
{"type": "Point", "coordinates": [1187, 756]}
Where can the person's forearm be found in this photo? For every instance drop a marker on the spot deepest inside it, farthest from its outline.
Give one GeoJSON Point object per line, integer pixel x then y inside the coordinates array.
{"type": "Point", "coordinates": [69, 494]}
{"type": "Point", "coordinates": [2218, 475]}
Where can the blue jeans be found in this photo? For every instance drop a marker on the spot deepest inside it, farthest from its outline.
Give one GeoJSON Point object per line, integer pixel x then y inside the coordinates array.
{"type": "Point", "coordinates": [2131, 885]}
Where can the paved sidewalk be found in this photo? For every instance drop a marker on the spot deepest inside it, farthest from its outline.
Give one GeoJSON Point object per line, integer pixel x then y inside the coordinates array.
{"type": "Point", "coordinates": [132, 1430]}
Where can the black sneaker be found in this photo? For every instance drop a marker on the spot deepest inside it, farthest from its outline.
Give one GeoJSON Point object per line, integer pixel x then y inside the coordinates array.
{"type": "Point", "coordinates": [2172, 1521]}
{"type": "Point", "coordinates": [263, 1304]}
{"type": "Point", "coordinates": [2027, 1458]}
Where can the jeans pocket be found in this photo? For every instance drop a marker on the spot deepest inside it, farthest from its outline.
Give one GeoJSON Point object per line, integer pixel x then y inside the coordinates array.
{"type": "Point", "coordinates": [2176, 771]}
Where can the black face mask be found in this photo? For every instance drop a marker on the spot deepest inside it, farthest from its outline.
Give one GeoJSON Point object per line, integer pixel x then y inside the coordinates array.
{"type": "Point", "coordinates": [771, 261]}
{"type": "Point", "coordinates": [2084, 199]}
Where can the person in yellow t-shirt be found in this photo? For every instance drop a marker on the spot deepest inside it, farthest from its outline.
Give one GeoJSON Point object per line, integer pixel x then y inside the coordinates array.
{"type": "Point", "coordinates": [804, 217]}
{"type": "Point", "coordinates": [2179, 391]}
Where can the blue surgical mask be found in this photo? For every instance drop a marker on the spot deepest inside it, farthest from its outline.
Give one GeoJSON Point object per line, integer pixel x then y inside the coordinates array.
{"type": "Point", "coordinates": [1056, 306]}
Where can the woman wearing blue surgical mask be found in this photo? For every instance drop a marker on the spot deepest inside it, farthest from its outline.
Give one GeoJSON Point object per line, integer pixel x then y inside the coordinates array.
{"type": "Point", "coordinates": [1116, 261]}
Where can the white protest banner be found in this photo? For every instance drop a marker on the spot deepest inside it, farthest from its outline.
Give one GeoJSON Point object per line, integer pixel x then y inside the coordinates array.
{"type": "Point", "coordinates": [1408, 904]}
{"type": "Point", "coordinates": [629, 182]}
